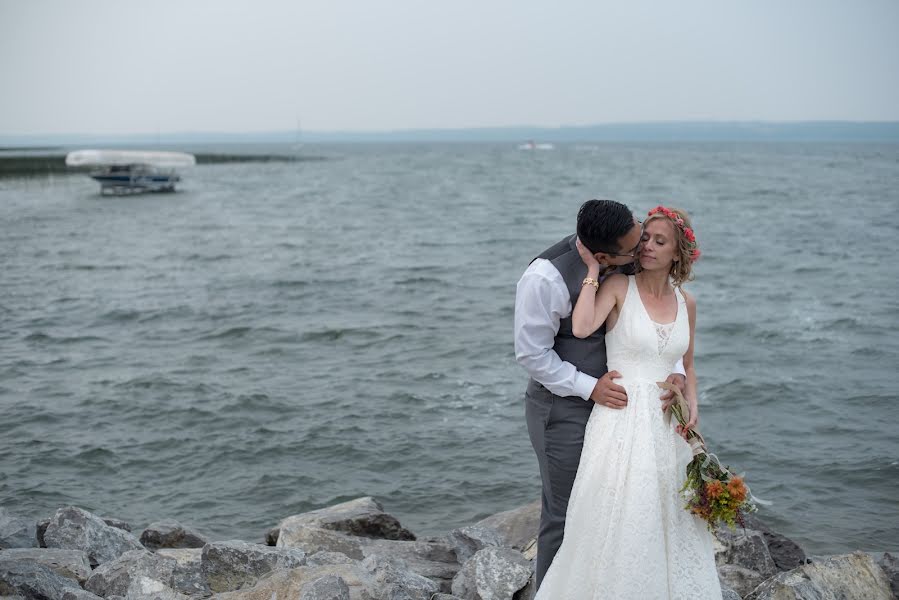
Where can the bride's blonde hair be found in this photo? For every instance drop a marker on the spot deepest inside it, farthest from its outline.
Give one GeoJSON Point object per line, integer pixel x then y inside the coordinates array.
{"type": "Point", "coordinates": [687, 247]}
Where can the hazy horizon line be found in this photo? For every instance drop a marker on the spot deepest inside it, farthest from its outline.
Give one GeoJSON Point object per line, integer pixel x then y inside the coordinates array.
{"type": "Point", "coordinates": [624, 131]}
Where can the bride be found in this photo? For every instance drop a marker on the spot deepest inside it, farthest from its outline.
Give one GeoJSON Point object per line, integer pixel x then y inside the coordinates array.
{"type": "Point", "coordinates": [627, 534]}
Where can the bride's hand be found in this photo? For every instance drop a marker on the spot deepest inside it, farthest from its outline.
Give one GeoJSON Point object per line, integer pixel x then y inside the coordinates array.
{"type": "Point", "coordinates": [692, 423]}
{"type": "Point", "coordinates": [587, 257]}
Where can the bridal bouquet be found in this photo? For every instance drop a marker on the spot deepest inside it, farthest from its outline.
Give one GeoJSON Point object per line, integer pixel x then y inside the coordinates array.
{"type": "Point", "coordinates": [711, 490]}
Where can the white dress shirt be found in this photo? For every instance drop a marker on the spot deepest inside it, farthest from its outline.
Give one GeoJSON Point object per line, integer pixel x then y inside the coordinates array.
{"type": "Point", "coordinates": [541, 302]}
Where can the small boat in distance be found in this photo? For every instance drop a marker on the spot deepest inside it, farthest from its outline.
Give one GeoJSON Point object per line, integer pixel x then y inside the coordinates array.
{"type": "Point", "coordinates": [531, 145]}
{"type": "Point", "coordinates": [132, 171]}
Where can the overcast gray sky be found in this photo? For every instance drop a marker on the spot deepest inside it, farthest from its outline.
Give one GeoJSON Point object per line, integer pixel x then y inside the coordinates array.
{"type": "Point", "coordinates": [93, 66]}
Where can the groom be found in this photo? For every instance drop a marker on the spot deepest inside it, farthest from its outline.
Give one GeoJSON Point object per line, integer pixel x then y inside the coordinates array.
{"type": "Point", "coordinates": [568, 374]}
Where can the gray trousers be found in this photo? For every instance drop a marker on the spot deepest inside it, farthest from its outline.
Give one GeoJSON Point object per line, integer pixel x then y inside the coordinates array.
{"type": "Point", "coordinates": [556, 426]}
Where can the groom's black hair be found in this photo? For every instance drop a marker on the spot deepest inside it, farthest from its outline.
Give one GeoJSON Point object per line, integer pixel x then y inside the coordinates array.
{"type": "Point", "coordinates": [600, 223]}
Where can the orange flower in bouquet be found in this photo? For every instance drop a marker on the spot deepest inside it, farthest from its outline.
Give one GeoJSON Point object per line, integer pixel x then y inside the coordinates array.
{"type": "Point", "coordinates": [711, 490]}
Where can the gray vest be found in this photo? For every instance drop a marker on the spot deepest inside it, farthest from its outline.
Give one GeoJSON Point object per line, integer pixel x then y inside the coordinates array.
{"type": "Point", "coordinates": [588, 355]}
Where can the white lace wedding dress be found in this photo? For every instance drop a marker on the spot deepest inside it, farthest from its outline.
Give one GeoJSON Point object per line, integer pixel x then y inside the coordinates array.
{"type": "Point", "coordinates": [627, 534]}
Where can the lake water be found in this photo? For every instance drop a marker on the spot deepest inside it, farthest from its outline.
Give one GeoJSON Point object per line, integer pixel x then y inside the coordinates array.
{"type": "Point", "coordinates": [276, 337]}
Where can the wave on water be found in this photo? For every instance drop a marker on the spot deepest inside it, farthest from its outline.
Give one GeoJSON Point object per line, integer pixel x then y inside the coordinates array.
{"type": "Point", "coordinates": [85, 267]}
{"type": "Point", "coordinates": [45, 338]}
{"type": "Point", "coordinates": [161, 383]}
{"type": "Point", "coordinates": [333, 334]}
{"type": "Point", "coordinates": [291, 283]}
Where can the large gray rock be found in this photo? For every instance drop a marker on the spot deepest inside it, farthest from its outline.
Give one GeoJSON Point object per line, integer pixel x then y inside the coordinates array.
{"type": "Point", "coordinates": [492, 574]}
{"type": "Point", "coordinates": [171, 534]}
{"type": "Point", "coordinates": [36, 581]}
{"type": "Point", "coordinates": [183, 556]}
{"type": "Point", "coordinates": [785, 552]}
{"type": "Point", "coordinates": [188, 576]}
{"type": "Point", "coordinates": [329, 587]}
{"type": "Point", "coordinates": [467, 541]}
{"type": "Point", "coordinates": [235, 564]}
{"type": "Point", "coordinates": [289, 583]}
{"type": "Point", "coordinates": [43, 523]}
{"type": "Point", "coordinates": [314, 539]}
{"type": "Point", "coordinates": [146, 588]}
{"type": "Point", "coordinates": [739, 579]}
{"type": "Point", "coordinates": [362, 517]}
{"type": "Point", "coordinates": [844, 577]}
{"type": "Point", "coordinates": [517, 528]}
{"type": "Point", "coordinates": [16, 532]}
{"type": "Point", "coordinates": [391, 579]}
{"type": "Point", "coordinates": [434, 559]}
{"type": "Point", "coordinates": [68, 563]}
{"type": "Point", "coordinates": [114, 577]}
{"type": "Point", "coordinates": [743, 558]}
{"type": "Point", "coordinates": [745, 548]}
{"type": "Point", "coordinates": [75, 529]}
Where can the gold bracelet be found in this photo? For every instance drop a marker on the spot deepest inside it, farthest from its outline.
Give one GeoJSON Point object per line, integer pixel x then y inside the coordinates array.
{"type": "Point", "coordinates": [590, 281]}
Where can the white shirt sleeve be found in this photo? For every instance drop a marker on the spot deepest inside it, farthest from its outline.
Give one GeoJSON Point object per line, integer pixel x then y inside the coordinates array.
{"type": "Point", "coordinates": [541, 301]}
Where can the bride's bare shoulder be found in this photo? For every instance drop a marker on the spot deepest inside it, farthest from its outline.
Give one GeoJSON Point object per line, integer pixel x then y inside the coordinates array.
{"type": "Point", "coordinates": [617, 284]}
{"type": "Point", "coordinates": [690, 301]}
{"type": "Point", "coordinates": [618, 280]}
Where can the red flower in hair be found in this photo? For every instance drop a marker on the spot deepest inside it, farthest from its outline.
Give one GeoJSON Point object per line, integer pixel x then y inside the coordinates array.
{"type": "Point", "coordinates": [688, 233]}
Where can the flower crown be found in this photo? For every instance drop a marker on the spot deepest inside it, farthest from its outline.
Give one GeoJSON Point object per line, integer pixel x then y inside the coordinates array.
{"type": "Point", "coordinates": [688, 232]}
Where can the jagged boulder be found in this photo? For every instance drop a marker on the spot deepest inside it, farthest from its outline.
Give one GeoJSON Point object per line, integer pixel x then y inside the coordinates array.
{"type": "Point", "coordinates": [171, 534]}
{"type": "Point", "coordinates": [433, 559]}
{"type": "Point", "coordinates": [235, 564]}
{"type": "Point", "coordinates": [743, 558]}
{"type": "Point", "coordinates": [114, 577]}
{"type": "Point", "coordinates": [739, 579]}
{"type": "Point", "coordinates": [516, 528]}
{"type": "Point", "coordinates": [391, 579]}
{"type": "Point", "coordinates": [314, 539]}
{"type": "Point", "coordinates": [467, 541]}
{"type": "Point", "coordinates": [147, 588]}
{"type": "Point", "coordinates": [187, 577]}
{"type": "Point", "coordinates": [841, 577]}
{"type": "Point", "coordinates": [785, 552]}
{"type": "Point", "coordinates": [75, 529]}
{"type": "Point", "coordinates": [492, 574]}
{"type": "Point", "coordinates": [362, 517]}
{"type": "Point", "coordinates": [16, 532]}
{"type": "Point", "coordinates": [328, 587]}
{"type": "Point", "coordinates": [290, 583]}
{"type": "Point", "coordinates": [36, 581]}
{"type": "Point", "coordinates": [73, 564]}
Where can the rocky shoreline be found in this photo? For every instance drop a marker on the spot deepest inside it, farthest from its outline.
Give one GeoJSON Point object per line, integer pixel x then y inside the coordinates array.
{"type": "Point", "coordinates": [356, 551]}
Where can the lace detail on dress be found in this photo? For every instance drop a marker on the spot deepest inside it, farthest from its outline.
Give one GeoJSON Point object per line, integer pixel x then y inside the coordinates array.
{"type": "Point", "coordinates": [663, 333]}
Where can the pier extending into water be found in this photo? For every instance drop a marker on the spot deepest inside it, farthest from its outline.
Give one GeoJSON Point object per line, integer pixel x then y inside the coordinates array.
{"type": "Point", "coordinates": [35, 162]}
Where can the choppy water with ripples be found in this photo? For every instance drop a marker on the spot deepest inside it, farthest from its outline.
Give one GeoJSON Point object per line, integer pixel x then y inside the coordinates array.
{"type": "Point", "coordinates": [276, 337]}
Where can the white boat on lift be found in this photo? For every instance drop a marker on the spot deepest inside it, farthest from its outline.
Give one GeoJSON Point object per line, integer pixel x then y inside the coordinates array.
{"type": "Point", "coordinates": [132, 171]}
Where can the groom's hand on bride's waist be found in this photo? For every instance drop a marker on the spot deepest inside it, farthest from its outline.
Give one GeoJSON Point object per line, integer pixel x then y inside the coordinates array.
{"type": "Point", "coordinates": [608, 393]}
{"type": "Point", "coordinates": [677, 380]}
